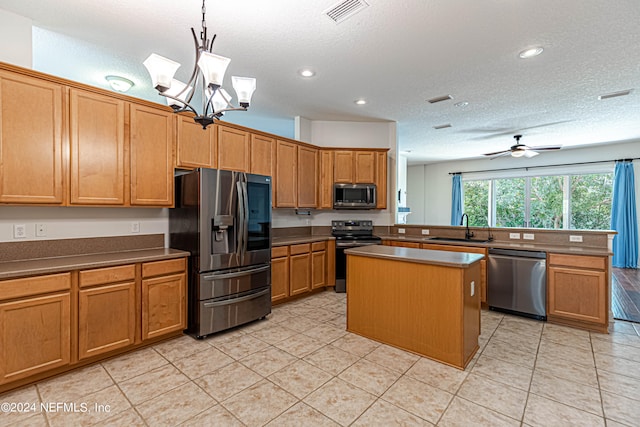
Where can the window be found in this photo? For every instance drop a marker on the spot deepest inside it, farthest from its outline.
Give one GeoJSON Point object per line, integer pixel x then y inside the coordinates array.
{"type": "Point", "coordinates": [576, 201]}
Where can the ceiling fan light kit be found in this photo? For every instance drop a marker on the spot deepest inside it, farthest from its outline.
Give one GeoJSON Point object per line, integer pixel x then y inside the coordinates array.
{"type": "Point", "coordinates": [208, 71]}
{"type": "Point", "coordinates": [521, 150]}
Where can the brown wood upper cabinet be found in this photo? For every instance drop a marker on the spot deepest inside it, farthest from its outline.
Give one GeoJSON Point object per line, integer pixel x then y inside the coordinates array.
{"type": "Point", "coordinates": [96, 137]}
{"type": "Point", "coordinates": [31, 143]}
{"type": "Point", "coordinates": [354, 167]}
{"type": "Point", "coordinates": [381, 180]}
{"type": "Point", "coordinates": [286, 174]}
{"type": "Point", "coordinates": [195, 147]}
{"type": "Point", "coordinates": [325, 195]}
{"type": "Point", "coordinates": [233, 148]}
{"type": "Point", "coordinates": [151, 146]}
{"type": "Point", "coordinates": [307, 177]}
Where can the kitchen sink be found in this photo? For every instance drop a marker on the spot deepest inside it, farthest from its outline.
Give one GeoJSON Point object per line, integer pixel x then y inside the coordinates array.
{"type": "Point", "coordinates": [453, 239]}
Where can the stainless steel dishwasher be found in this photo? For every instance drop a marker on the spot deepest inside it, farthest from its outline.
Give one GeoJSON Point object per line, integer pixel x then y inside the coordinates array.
{"type": "Point", "coordinates": [517, 282]}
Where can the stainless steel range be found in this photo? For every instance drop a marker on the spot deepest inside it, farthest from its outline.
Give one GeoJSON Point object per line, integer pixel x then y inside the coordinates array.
{"type": "Point", "coordinates": [350, 234]}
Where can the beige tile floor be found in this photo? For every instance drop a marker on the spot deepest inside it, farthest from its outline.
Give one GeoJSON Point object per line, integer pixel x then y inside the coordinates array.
{"type": "Point", "coordinates": [299, 367]}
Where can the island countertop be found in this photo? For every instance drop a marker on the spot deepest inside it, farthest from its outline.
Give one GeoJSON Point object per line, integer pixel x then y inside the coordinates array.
{"type": "Point", "coordinates": [422, 256]}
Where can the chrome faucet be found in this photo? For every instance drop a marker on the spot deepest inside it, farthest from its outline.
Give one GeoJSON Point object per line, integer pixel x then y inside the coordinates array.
{"type": "Point", "coordinates": [468, 234]}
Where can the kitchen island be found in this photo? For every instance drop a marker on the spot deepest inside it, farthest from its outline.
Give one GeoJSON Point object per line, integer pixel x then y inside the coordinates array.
{"type": "Point", "coordinates": [424, 301]}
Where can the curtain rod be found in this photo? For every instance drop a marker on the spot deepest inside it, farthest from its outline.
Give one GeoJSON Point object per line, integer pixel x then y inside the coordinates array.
{"type": "Point", "coordinates": [547, 166]}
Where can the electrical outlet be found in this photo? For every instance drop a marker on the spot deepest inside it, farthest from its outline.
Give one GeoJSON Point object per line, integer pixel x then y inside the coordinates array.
{"type": "Point", "coordinates": [514, 235]}
{"type": "Point", "coordinates": [135, 227]}
{"type": "Point", "coordinates": [400, 230]}
{"type": "Point", "coordinates": [473, 288]}
{"type": "Point", "coordinates": [41, 230]}
{"type": "Point", "coordinates": [425, 232]}
{"type": "Point", "coordinates": [19, 231]}
{"type": "Point", "coordinates": [577, 239]}
{"type": "Point", "coordinates": [527, 236]}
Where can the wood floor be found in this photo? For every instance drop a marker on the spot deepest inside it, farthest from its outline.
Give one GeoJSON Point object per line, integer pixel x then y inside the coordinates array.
{"type": "Point", "coordinates": [625, 303]}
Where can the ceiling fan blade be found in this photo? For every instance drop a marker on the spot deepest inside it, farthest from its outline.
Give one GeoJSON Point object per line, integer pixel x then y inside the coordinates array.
{"type": "Point", "coordinates": [530, 153]}
{"type": "Point", "coordinates": [504, 153]}
{"type": "Point", "coordinates": [557, 147]}
{"type": "Point", "coordinates": [497, 152]}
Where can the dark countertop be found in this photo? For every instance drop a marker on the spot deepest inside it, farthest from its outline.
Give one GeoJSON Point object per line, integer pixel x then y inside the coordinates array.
{"type": "Point", "coordinates": [562, 249]}
{"type": "Point", "coordinates": [294, 240]}
{"type": "Point", "coordinates": [32, 267]}
{"type": "Point", "coordinates": [421, 256]}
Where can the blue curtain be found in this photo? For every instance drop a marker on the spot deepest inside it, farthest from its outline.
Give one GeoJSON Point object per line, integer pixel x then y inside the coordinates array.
{"type": "Point", "coordinates": [456, 199]}
{"type": "Point", "coordinates": [623, 217]}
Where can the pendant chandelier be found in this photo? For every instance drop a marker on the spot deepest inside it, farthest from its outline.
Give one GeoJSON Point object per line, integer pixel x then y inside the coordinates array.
{"type": "Point", "coordinates": [208, 72]}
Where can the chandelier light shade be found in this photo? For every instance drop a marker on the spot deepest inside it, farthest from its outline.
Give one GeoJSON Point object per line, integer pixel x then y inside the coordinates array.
{"type": "Point", "coordinates": [177, 93]}
{"type": "Point", "coordinates": [161, 70]}
{"type": "Point", "coordinates": [244, 87]}
{"type": "Point", "coordinates": [213, 68]}
{"type": "Point", "coordinates": [208, 74]}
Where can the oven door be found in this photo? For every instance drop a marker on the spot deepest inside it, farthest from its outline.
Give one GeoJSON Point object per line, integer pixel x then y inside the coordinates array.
{"type": "Point", "coordinates": [341, 260]}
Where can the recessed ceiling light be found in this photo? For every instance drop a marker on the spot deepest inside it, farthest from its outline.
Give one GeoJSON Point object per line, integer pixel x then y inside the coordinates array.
{"type": "Point", "coordinates": [360, 101]}
{"type": "Point", "coordinates": [119, 84]}
{"type": "Point", "coordinates": [306, 72]}
{"type": "Point", "coordinates": [531, 52]}
{"type": "Point", "coordinates": [461, 104]}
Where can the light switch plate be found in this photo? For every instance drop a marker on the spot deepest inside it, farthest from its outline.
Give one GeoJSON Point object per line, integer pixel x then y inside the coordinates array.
{"type": "Point", "coordinates": [527, 236]}
{"type": "Point", "coordinates": [135, 227]}
{"type": "Point", "coordinates": [400, 230]}
{"type": "Point", "coordinates": [514, 235]}
{"type": "Point", "coordinates": [425, 232]}
{"type": "Point", "coordinates": [41, 230]}
{"type": "Point", "coordinates": [577, 239]}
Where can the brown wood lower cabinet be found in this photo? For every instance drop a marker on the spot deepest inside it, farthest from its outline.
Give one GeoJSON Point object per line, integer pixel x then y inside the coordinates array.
{"type": "Point", "coordinates": [35, 335]}
{"type": "Point", "coordinates": [302, 268]}
{"type": "Point", "coordinates": [163, 297]}
{"type": "Point", "coordinates": [48, 324]}
{"type": "Point", "coordinates": [578, 291]}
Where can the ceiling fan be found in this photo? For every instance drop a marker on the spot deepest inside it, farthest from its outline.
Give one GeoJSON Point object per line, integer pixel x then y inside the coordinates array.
{"type": "Point", "coordinates": [520, 150]}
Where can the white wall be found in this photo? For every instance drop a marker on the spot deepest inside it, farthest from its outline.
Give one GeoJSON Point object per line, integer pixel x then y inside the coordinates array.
{"type": "Point", "coordinates": [15, 39]}
{"type": "Point", "coordinates": [77, 222]}
{"type": "Point", "coordinates": [429, 186]}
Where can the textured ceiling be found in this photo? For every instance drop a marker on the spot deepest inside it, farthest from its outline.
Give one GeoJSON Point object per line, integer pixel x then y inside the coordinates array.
{"type": "Point", "coordinates": [396, 55]}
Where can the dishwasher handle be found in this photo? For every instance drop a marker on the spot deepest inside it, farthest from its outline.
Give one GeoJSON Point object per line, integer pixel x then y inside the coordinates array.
{"type": "Point", "coordinates": [517, 253]}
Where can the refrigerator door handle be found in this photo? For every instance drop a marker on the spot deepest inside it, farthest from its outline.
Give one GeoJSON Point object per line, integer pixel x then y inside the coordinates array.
{"type": "Point", "coordinates": [245, 206]}
{"type": "Point", "coordinates": [241, 219]}
{"type": "Point", "coordinates": [246, 272]}
{"type": "Point", "coordinates": [236, 300]}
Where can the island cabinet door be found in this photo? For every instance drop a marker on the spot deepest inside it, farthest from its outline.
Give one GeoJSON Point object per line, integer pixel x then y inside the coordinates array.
{"type": "Point", "coordinates": [35, 336]}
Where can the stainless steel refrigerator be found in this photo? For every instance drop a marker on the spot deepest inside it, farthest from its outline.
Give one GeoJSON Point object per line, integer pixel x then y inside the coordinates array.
{"type": "Point", "coordinates": [224, 219]}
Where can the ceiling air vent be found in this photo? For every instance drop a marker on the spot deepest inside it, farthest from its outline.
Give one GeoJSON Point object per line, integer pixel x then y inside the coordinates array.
{"type": "Point", "coordinates": [345, 9]}
{"type": "Point", "coordinates": [448, 125]}
{"type": "Point", "coordinates": [615, 94]}
{"type": "Point", "coordinates": [440, 99]}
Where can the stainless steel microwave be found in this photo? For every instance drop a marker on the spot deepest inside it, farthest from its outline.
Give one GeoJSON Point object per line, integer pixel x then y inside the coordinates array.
{"type": "Point", "coordinates": [354, 196]}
